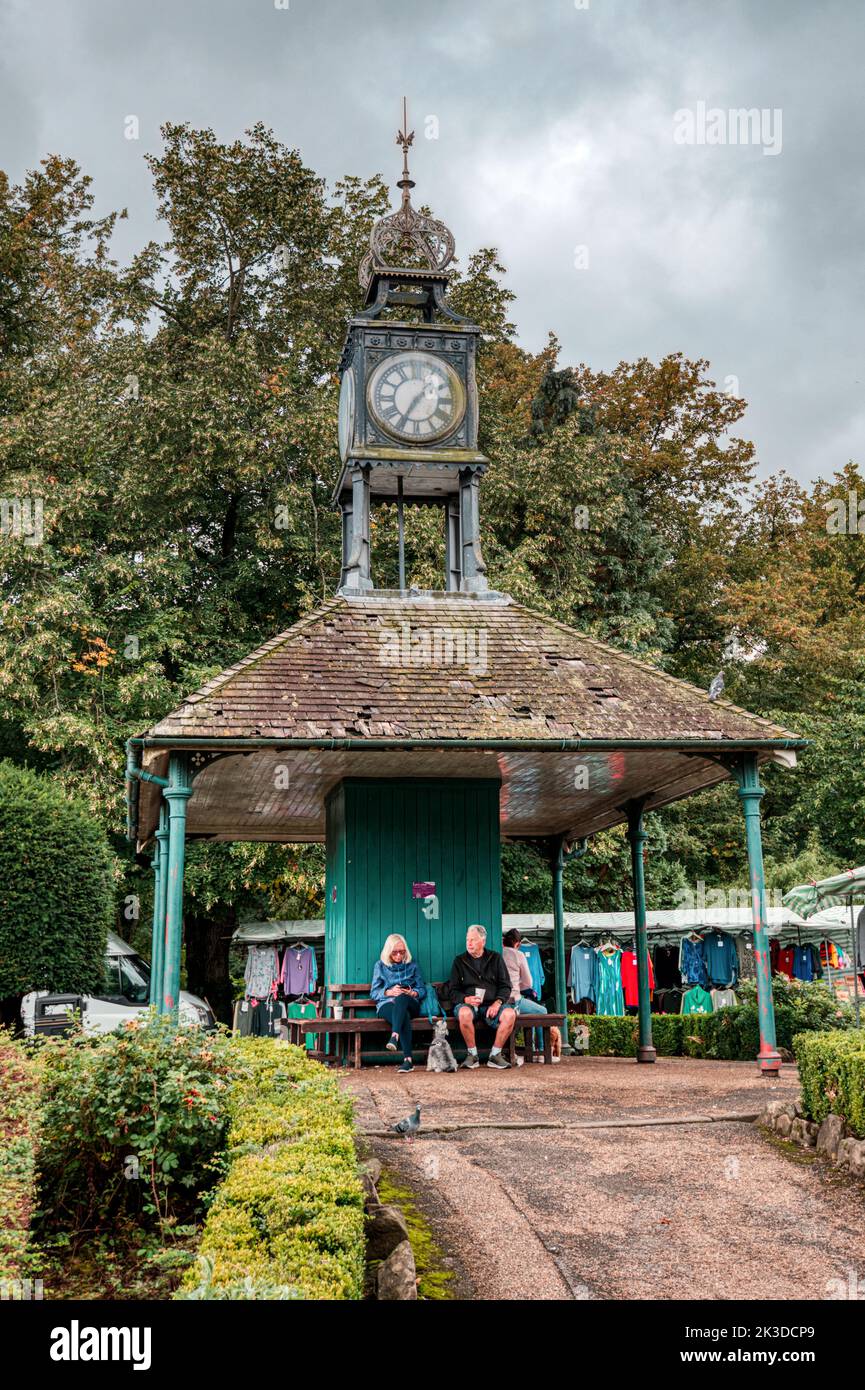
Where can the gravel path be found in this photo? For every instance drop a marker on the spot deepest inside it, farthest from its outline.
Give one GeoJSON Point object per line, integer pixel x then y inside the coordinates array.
{"type": "Point", "coordinates": [710, 1209]}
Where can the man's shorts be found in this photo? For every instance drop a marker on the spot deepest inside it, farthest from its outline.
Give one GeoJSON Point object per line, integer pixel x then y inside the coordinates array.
{"type": "Point", "coordinates": [482, 1010]}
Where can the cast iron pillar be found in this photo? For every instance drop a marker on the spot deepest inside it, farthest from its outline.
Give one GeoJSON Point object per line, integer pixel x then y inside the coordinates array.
{"type": "Point", "coordinates": [558, 860]}
{"type": "Point", "coordinates": [177, 794]}
{"type": "Point", "coordinates": [637, 838]}
{"type": "Point", "coordinates": [746, 773]}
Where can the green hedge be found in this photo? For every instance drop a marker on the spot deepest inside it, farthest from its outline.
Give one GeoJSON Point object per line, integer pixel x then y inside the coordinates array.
{"type": "Point", "coordinates": [287, 1221]}
{"type": "Point", "coordinates": [832, 1075]}
{"type": "Point", "coordinates": [56, 888]}
{"type": "Point", "coordinates": [19, 1116]}
{"type": "Point", "coordinates": [731, 1035]}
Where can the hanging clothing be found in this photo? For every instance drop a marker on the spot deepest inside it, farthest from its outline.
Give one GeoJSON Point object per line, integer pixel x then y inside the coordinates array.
{"type": "Point", "coordinates": [666, 963]}
{"type": "Point", "coordinates": [630, 978]}
{"type": "Point", "coordinates": [697, 1001]}
{"type": "Point", "coordinates": [747, 959]}
{"type": "Point", "coordinates": [609, 998]}
{"type": "Point", "coordinates": [692, 962]}
{"type": "Point", "coordinates": [532, 953]}
{"type": "Point", "coordinates": [297, 1010]}
{"type": "Point", "coordinates": [829, 955]}
{"type": "Point", "coordinates": [299, 973]}
{"type": "Point", "coordinates": [722, 962]}
{"type": "Point", "coordinates": [666, 1001]}
{"type": "Point", "coordinates": [261, 975]}
{"type": "Point", "coordinates": [259, 1018]}
{"type": "Point", "coordinates": [784, 964]}
{"type": "Point", "coordinates": [803, 963]}
{"type": "Point", "coordinates": [723, 999]}
{"type": "Point", "coordinates": [774, 952]}
{"type": "Point", "coordinates": [581, 973]}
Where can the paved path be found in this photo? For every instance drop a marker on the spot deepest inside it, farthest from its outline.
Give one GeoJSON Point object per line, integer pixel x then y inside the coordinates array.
{"type": "Point", "coordinates": [707, 1209]}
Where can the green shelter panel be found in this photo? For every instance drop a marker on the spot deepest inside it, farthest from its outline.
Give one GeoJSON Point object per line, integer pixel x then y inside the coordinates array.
{"type": "Point", "coordinates": [385, 840]}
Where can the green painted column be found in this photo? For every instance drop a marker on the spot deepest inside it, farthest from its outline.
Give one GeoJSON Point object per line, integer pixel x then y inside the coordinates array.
{"type": "Point", "coordinates": [637, 838]}
{"type": "Point", "coordinates": [558, 861]}
{"type": "Point", "coordinates": [177, 794]}
{"type": "Point", "coordinates": [157, 958]}
{"type": "Point", "coordinates": [746, 773]}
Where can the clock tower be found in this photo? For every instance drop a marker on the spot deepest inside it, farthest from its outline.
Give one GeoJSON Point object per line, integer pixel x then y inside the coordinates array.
{"type": "Point", "coordinates": [408, 406]}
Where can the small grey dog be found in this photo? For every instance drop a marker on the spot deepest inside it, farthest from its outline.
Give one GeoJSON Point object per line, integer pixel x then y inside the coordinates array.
{"type": "Point", "coordinates": [440, 1057]}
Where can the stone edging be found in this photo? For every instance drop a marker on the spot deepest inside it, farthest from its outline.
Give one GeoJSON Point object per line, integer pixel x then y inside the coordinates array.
{"type": "Point", "coordinates": [387, 1240]}
{"type": "Point", "coordinates": [831, 1139]}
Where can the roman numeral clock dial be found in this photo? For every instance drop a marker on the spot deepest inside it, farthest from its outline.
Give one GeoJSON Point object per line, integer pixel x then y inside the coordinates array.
{"type": "Point", "coordinates": [416, 397]}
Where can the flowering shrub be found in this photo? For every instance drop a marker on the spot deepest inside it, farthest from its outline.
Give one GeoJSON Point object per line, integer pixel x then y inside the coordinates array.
{"type": "Point", "coordinates": [19, 1115]}
{"type": "Point", "coordinates": [132, 1121]}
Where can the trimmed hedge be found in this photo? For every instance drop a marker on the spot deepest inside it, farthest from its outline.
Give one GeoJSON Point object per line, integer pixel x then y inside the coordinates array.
{"type": "Point", "coordinates": [730, 1035]}
{"type": "Point", "coordinates": [19, 1117]}
{"type": "Point", "coordinates": [56, 888]}
{"type": "Point", "coordinates": [832, 1075]}
{"type": "Point", "coordinates": [287, 1221]}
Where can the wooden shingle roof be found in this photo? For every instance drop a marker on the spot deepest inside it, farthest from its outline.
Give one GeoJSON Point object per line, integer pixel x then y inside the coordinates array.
{"type": "Point", "coordinates": [445, 666]}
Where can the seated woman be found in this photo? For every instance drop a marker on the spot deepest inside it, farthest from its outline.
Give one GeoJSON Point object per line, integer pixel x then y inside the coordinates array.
{"type": "Point", "coordinates": [398, 990]}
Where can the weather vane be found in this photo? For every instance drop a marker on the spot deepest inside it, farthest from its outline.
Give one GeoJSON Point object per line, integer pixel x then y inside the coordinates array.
{"type": "Point", "coordinates": [405, 137]}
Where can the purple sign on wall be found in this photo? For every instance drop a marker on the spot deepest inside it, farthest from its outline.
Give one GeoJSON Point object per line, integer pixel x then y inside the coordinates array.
{"type": "Point", "coordinates": [423, 890]}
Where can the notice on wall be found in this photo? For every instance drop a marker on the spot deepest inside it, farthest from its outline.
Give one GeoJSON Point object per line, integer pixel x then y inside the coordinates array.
{"type": "Point", "coordinates": [423, 890]}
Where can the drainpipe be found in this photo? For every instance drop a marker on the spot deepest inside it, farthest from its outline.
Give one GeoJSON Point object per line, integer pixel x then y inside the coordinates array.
{"type": "Point", "coordinates": [160, 899]}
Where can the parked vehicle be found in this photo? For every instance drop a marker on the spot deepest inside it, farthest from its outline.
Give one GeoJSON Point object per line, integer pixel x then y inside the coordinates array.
{"type": "Point", "coordinates": [126, 995]}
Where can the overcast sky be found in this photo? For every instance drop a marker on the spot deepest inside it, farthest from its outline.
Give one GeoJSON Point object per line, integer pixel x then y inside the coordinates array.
{"type": "Point", "coordinates": [558, 142]}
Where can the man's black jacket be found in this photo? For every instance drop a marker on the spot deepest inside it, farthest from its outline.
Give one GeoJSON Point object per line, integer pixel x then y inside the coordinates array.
{"type": "Point", "coordinates": [485, 974]}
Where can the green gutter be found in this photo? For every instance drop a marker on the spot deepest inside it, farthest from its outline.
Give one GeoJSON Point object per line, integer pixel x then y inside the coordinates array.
{"type": "Point", "coordinates": [372, 745]}
{"type": "Point", "coordinates": [523, 745]}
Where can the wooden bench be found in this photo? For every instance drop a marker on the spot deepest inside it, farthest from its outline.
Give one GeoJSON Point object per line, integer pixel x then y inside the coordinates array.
{"type": "Point", "coordinates": [359, 1020]}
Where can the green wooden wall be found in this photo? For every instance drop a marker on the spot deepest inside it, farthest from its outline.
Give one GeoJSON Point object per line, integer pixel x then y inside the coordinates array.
{"type": "Point", "coordinates": [383, 836]}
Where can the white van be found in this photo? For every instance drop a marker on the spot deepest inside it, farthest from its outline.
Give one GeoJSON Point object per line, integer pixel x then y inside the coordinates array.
{"type": "Point", "coordinates": [126, 995]}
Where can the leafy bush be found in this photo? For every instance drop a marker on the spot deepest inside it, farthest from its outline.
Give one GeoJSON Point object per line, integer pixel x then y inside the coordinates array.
{"type": "Point", "coordinates": [730, 1034]}
{"type": "Point", "coordinates": [56, 894]}
{"type": "Point", "coordinates": [832, 1075]}
{"type": "Point", "coordinates": [132, 1121]}
{"type": "Point", "coordinates": [287, 1221]}
{"type": "Point", "coordinates": [19, 1115]}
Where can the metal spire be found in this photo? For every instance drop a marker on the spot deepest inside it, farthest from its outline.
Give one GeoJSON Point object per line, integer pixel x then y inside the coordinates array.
{"type": "Point", "coordinates": [405, 137]}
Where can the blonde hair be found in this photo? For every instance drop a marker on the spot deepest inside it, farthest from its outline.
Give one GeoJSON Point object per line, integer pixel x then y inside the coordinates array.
{"type": "Point", "coordinates": [388, 946]}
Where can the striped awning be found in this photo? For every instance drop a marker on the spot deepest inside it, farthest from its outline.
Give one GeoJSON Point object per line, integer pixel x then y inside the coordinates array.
{"type": "Point", "coordinates": [838, 891]}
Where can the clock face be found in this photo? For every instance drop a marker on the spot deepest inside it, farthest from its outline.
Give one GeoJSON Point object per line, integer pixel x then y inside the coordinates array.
{"type": "Point", "coordinates": [416, 397]}
{"type": "Point", "coordinates": [346, 412]}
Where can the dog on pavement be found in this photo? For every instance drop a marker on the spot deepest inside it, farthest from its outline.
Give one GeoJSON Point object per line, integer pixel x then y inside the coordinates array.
{"type": "Point", "coordinates": [440, 1057]}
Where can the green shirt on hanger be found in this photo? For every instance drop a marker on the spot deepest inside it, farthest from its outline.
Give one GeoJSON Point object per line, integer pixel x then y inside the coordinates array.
{"type": "Point", "coordinates": [697, 1001]}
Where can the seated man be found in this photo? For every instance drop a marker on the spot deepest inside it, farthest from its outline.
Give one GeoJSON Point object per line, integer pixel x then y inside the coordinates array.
{"type": "Point", "coordinates": [481, 986]}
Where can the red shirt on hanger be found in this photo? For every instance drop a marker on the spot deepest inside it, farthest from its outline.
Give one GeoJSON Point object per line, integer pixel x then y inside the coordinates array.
{"type": "Point", "coordinates": [629, 976]}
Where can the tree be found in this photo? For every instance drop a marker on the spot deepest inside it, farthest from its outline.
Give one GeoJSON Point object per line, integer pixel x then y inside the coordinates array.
{"type": "Point", "coordinates": [56, 891]}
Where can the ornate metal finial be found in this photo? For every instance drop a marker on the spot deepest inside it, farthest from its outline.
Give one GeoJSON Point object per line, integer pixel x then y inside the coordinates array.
{"type": "Point", "coordinates": [406, 140]}
{"type": "Point", "coordinates": [406, 235]}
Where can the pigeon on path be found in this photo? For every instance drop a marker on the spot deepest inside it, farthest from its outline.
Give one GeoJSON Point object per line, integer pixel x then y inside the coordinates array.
{"type": "Point", "coordinates": [409, 1126]}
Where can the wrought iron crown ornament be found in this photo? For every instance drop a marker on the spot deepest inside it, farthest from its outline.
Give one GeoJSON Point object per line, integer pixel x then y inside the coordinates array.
{"type": "Point", "coordinates": [406, 236]}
